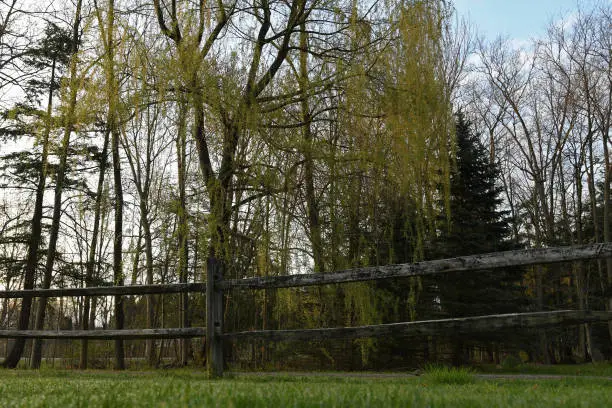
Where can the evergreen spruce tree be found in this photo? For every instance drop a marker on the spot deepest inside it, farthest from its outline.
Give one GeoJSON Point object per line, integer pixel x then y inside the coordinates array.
{"type": "Point", "coordinates": [477, 225]}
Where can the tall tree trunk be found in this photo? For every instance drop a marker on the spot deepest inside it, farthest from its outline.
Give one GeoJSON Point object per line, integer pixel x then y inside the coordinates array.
{"type": "Point", "coordinates": [136, 258]}
{"type": "Point", "coordinates": [150, 343]}
{"type": "Point", "coordinates": [142, 180]}
{"type": "Point", "coordinates": [597, 235]}
{"type": "Point", "coordinates": [183, 227]}
{"type": "Point", "coordinates": [91, 257]}
{"type": "Point", "coordinates": [607, 209]}
{"type": "Point", "coordinates": [112, 90]}
{"type": "Point", "coordinates": [545, 237]}
{"type": "Point", "coordinates": [579, 275]}
{"type": "Point", "coordinates": [16, 352]}
{"type": "Point", "coordinates": [314, 224]}
{"type": "Point", "coordinates": [59, 187]}
{"type": "Point", "coordinates": [5, 306]}
{"type": "Point", "coordinates": [118, 245]}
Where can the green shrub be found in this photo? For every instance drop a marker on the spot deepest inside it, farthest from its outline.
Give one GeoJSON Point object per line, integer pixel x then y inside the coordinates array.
{"type": "Point", "coordinates": [448, 375]}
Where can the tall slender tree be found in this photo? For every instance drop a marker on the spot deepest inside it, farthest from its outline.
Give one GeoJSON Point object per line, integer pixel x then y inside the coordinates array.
{"type": "Point", "coordinates": [48, 55]}
{"type": "Point", "coordinates": [106, 25]}
{"type": "Point", "coordinates": [69, 45]}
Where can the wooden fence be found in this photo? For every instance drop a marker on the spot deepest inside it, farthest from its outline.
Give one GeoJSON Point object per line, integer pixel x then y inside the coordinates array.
{"type": "Point", "coordinates": [216, 286]}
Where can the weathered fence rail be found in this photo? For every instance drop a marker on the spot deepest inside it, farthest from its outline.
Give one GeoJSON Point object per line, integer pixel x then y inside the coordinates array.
{"type": "Point", "coordinates": [108, 290]}
{"type": "Point", "coordinates": [406, 329]}
{"type": "Point", "coordinates": [125, 334]}
{"type": "Point", "coordinates": [464, 263]}
{"type": "Point", "coordinates": [215, 286]}
{"type": "Point", "coordinates": [439, 327]}
{"type": "Point", "coordinates": [521, 257]}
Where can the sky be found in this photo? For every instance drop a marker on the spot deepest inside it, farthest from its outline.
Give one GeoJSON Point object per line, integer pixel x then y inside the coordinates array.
{"type": "Point", "coordinates": [520, 20]}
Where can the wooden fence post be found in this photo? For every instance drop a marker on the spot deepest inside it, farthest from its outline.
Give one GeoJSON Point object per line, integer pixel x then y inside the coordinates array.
{"type": "Point", "coordinates": [214, 318]}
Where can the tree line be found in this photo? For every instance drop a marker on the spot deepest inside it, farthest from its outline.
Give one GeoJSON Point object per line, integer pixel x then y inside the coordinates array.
{"type": "Point", "coordinates": [279, 137]}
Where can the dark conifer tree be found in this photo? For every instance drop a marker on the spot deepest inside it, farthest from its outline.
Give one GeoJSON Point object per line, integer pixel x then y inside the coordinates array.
{"type": "Point", "coordinates": [477, 225]}
{"type": "Point", "coordinates": [48, 56]}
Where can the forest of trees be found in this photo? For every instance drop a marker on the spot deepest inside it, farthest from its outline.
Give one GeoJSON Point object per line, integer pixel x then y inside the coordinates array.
{"type": "Point", "coordinates": [140, 138]}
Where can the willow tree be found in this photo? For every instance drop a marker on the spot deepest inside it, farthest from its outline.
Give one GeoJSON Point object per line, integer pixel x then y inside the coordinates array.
{"type": "Point", "coordinates": [314, 221]}
{"type": "Point", "coordinates": [400, 124]}
{"type": "Point", "coordinates": [234, 107]}
{"type": "Point", "coordinates": [418, 118]}
{"type": "Point", "coordinates": [373, 147]}
{"type": "Point", "coordinates": [405, 141]}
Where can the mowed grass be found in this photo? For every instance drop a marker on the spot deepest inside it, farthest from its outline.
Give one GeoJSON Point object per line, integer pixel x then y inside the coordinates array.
{"type": "Point", "coordinates": [184, 388]}
{"type": "Point", "coordinates": [603, 369]}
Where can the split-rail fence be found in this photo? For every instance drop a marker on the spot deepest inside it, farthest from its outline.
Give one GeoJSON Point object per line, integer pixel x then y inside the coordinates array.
{"type": "Point", "coordinates": [216, 285]}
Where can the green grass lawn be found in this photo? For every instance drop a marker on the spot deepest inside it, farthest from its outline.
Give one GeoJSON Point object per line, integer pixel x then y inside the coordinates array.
{"type": "Point", "coordinates": [184, 388]}
{"type": "Point", "coordinates": [596, 369]}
